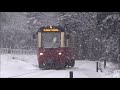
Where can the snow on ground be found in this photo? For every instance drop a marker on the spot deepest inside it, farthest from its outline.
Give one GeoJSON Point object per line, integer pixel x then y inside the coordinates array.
{"type": "Point", "coordinates": [26, 66]}
{"type": "Point", "coordinates": [16, 64]}
{"type": "Point", "coordinates": [111, 70]}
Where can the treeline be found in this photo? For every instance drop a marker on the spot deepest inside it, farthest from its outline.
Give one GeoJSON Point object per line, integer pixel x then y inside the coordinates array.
{"type": "Point", "coordinates": [96, 34]}
{"type": "Point", "coordinates": [14, 31]}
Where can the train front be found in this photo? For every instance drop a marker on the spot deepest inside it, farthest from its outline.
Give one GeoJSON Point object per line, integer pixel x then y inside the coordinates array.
{"type": "Point", "coordinates": [52, 52]}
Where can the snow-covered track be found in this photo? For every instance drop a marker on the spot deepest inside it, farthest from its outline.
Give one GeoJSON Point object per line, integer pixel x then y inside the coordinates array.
{"type": "Point", "coordinates": [32, 72]}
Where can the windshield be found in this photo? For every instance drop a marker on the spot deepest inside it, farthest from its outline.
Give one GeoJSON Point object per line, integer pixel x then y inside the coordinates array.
{"type": "Point", "coordinates": [51, 39]}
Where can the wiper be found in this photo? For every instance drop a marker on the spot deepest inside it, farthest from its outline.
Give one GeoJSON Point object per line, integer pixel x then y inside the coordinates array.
{"type": "Point", "coordinates": [54, 41]}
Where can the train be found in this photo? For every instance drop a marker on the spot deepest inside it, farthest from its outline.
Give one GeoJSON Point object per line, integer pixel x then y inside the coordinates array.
{"type": "Point", "coordinates": [54, 48]}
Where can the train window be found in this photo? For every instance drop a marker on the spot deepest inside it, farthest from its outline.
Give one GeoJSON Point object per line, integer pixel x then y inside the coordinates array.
{"type": "Point", "coordinates": [50, 39]}
{"type": "Point", "coordinates": [67, 40]}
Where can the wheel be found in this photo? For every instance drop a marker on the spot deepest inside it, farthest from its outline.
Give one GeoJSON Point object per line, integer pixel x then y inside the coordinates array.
{"type": "Point", "coordinates": [71, 63]}
{"type": "Point", "coordinates": [48, 66]}
{"type": "Point", "coordinates": [43, 66]}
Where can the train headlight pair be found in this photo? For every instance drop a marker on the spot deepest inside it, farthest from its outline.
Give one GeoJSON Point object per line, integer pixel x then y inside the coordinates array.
{"type": "Point", "coordinates": [59, 53]}
{"type": "Point", "coordinates": [41, 53]}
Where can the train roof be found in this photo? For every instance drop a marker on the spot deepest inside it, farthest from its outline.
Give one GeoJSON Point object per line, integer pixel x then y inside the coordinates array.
{"type": "Point", "coordinates": [53, 27]}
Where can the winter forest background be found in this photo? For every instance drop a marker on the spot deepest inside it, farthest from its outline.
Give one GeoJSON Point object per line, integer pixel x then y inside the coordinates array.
{"type": "Point", "coordinates": [97, 34]}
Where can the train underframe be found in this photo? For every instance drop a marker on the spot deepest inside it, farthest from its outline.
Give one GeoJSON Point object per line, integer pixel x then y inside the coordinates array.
{"type": "Point", "coordinates": [51, 59]}
{"type": "Point", "coordinates": [51, 64]}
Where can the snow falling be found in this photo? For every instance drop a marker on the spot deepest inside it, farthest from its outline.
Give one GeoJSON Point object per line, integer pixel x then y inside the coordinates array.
{"type": "Point", "coordinates": [96, 36]}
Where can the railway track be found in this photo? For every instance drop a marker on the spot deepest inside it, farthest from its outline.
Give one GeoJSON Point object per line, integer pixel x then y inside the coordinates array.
{"type": "Point", "coordinates": [32, 72]}
{"type": "Point", "coordinates": [35, 71]}
{"type": "Point", "coordinates": [38, 73]}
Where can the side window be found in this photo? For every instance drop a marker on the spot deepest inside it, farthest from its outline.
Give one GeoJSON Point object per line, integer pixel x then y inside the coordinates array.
{"type": "Point", "coordinates": [67, 40]}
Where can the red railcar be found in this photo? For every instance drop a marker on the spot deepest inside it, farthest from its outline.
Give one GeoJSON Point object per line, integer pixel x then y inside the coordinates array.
{"type": "Point", "coordinates": [54, 48]}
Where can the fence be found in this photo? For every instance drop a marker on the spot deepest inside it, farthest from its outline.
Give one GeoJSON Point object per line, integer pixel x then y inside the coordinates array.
{"type": "Point", "coordinates": [16, 51]}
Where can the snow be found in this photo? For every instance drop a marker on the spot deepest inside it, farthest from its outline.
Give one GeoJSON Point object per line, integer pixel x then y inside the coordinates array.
{"type": "Point", "coordinates": [26, 66]}
{"type": "Point", "coordinates": [10, 66]}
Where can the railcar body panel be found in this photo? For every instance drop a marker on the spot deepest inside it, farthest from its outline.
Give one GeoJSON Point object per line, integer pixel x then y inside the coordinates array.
{"type": "Point", "coordinates": [53, 49]}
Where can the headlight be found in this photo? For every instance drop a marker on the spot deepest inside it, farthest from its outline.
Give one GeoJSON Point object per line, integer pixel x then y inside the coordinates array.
{"type": "Point", "coordinates": [41, 53]}
{"type": "Point", "coordinates": [59, 53]}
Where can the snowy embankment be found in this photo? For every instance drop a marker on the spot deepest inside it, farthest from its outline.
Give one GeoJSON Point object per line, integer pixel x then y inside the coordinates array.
{"type": "Point", "coordinates": [12, 65]}
{"type": "Point", "coordinates": [111, 70]}
{"type": "Point", "coordinates": [26, 66]}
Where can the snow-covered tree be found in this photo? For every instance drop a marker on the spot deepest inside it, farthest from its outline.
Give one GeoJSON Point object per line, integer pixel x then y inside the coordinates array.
{"type": "Point", "coordinates": [109, 26]}
{"type": "Point", "coordinates": [82, 25]}
{"type": "Point", "coordinates": [96, 35]}
{"type": "Point", "coordinates": [13, 26]}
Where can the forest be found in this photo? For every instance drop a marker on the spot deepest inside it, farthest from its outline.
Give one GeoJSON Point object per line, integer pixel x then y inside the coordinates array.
{"type": "Point", "coordinates": [97, 33]}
